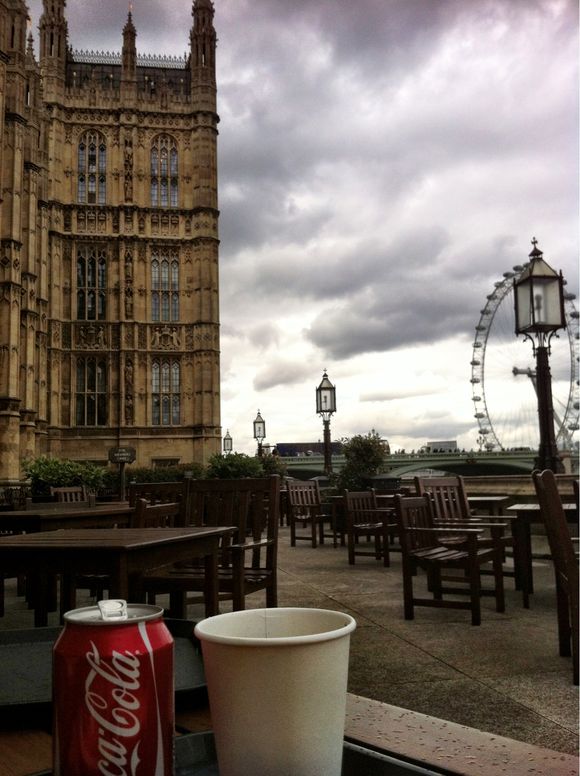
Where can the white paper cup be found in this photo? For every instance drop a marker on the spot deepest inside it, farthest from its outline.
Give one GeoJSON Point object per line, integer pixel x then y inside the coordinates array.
{"type": "Point", "coordinates": [277, 682]}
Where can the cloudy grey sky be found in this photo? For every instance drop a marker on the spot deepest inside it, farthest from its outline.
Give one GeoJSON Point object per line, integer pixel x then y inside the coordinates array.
{"type": "Point", "coordinates": [382, 164]}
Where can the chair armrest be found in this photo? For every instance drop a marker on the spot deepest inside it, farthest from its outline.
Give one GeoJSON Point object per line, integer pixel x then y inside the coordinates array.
{"type": "Point", "coordinates": [466, 531]}
{"type": "Point", "coordinates": [250, 545]}
{"type": "Point", "coordinates": [470, 523]}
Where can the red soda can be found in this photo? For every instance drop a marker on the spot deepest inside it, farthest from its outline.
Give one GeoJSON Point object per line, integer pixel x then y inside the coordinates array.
{"type": "Point", "coordinates": [113, 692]}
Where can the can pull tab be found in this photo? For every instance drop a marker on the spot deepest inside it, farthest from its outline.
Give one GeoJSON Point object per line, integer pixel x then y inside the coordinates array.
{"type": "Point", "coordinates": [113, 609]}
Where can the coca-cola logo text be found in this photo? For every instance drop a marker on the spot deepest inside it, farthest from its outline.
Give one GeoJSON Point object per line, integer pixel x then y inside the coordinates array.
{"type": "Point", "coordinates": [114, 705]}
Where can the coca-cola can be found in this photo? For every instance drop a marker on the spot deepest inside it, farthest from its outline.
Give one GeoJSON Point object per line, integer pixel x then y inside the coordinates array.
{"type": "Point", "coordinates": [113, 692]}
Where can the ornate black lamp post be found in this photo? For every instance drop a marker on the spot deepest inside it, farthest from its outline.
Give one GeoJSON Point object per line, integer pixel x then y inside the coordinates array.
{"type": "Point", "coordinates": [539, 306]}
{"type": "Point", "coordinates": [228, 443]}
{"type": "Point", "coordinates": [259, 432]}
{"type": "Point", "coordinates": [326, 406]}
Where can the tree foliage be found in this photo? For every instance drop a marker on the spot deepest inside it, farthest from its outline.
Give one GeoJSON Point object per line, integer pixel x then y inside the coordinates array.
{"type": "Point", "coordinates": [364, 458]}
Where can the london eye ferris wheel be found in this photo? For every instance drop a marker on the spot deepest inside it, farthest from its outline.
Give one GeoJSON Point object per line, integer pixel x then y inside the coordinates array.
{"type": "Point", "coordinates": [503, 375]}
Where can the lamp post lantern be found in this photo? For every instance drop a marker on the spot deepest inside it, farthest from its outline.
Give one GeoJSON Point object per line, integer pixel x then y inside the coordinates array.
{"type": "Point", "coordinates": [326, 407]}
{"type": "Point", "coordinates": [539, 309]}
{"type": "Point", "coordinates": [228, 443]}
{"type": "Point", "coordinates": [259, 432]}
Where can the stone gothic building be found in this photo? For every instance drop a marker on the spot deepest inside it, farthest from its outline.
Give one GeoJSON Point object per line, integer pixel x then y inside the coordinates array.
{"type": "Point", "coordinates": [109, 333]}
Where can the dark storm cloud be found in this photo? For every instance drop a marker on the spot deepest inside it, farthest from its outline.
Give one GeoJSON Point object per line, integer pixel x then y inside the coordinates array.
{"type": "Point", "coordinates": [338, 117]}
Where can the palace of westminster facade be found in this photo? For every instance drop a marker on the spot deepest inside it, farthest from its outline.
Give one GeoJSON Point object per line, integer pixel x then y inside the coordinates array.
{"type": "Point", "coordinates": [109, 319]}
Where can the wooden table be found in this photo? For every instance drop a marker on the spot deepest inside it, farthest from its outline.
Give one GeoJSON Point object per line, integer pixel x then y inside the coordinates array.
{"type": "Point", "coordinates": [491, 504]}
{"type": "Point", "coordinates": [400, 733]}
{"type": "Point", "coordinates": [526, 514]}
{"type": "Point", "coordinates": [123, 554]}
{"type": "Point", "coordinates": [43, 518]}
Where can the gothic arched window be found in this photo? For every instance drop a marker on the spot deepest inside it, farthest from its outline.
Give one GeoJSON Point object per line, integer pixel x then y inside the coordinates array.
{"type": "Point", "coordinates": [165, 392]}
{"type": "Point", "coordinates": [164, 172]}
{"type": "Point", "coordinates": [91, 392]}
{"type": "Point", "coordinates": [91, 283]}
{"type": "Point", "coordinates": [164, 285]}
{"type": "Point", "coordinates": [92, 169]}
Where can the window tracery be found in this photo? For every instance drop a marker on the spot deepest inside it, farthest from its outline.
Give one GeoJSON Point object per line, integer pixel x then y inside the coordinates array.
{"type": "Point", "coordinates": [92, 169]}
{"type": "Point", "coordinates": [164, 172]}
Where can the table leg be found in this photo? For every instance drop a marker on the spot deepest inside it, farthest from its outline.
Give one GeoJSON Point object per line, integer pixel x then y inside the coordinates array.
{"type": "Point", "coordinates": [522, 558]}
{"type": "Point", "coordinates": [39, 590]}
{"type": "Point", "coordinates": [211, 584]}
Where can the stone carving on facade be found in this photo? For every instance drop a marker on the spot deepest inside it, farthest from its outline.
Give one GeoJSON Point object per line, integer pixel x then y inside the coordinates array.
{"type": "Point", "coordinates": [128, 301]}
{"type": "Point", "coordinates": [55, 331]}
{"type": "Point", "coordinates": [91, 337]}
{"type": "Point", "coordinates": [142, 338]}
{"type": "Point", "coordinates": [165, 338]}
{"type": "Point", "coordinates": [129, 392]}
{"type": "Point", "coordinates": [128, 170]}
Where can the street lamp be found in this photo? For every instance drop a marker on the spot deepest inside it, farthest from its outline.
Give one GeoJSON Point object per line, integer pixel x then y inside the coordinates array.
{"type": "Point", "coordinates": [228, 443]}
{"type": "Point", "coordinates": [539, 307]}
{"type": "Point", "coordinates": [326, 406]}
{"type": "Point", "coordinates": [259, 432]}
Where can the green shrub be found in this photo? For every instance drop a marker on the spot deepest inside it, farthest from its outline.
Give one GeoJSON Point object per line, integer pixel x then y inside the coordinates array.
{"type": "Point", "coordinates": [45, 472]}
{"type": "Point", "coordinates": [233, 466]}
{"type": "Point", "coordinates": [163, 473]}
{"type": "Point", "coordinates": [273, 464]}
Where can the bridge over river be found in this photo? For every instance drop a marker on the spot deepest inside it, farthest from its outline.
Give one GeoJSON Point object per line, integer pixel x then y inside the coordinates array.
{"type": "Point", "coordinates": [465, 463]}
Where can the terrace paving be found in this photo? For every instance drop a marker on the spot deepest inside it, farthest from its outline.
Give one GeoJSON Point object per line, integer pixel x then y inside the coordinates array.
{"type": "Point", "coordinates": [504, 677]}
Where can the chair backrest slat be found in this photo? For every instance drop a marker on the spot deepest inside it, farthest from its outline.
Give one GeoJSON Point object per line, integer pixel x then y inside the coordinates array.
{"type": "Point", "coordinates": [156, 492]}
{"type": "Point", "coordinates": [303, 494]}
{"type": "Point", "coordinates": [251, 505]}
{"type": "Point", "coordinates": [164, 515]}
{"type": "Point", "coordinates": [414, 512]}
{"type": "Point", "coordinates": [69, 495]}
{"type": "Point", "coordinates": [448, 497]}
{"type": "Point", "coordinates": [359, 506]}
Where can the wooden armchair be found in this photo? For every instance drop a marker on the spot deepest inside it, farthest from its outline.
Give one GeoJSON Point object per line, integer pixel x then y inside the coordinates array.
{"type": "Point", "coordinates": [451, 507]}
{"type": "Point", "coordinates": [422, 547]}
{"type": "Point", "coordinates": [364, 518]}
{"type": "Point", "coordinates": [248, 563]}
{"type": "Point", "coordinates": [304, 506]}
{"type": "Point", "coordinates": [157, 492]}
{"type": "Point", "coordinates": [565, 565]}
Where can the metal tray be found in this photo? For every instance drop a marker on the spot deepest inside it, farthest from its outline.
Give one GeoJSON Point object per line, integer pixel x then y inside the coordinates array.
{"type": "Point", "coordinates": [26, 665]}
{"type": "Point", "coordinates": [195, 756]}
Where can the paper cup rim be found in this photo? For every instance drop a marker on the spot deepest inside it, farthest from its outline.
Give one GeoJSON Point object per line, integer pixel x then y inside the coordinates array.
{"type": "Point", "coordinates": [203, 633]}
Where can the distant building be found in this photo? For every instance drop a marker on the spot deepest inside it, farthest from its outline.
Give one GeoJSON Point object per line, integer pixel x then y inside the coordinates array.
{"type": "Point", "coordinates": [109, 324]}
{"type": "Point", "coordinates": [446, 446]}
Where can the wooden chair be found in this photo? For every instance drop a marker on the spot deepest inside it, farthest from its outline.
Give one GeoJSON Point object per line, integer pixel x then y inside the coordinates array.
{"type": "Point", "coordinates": [423, 546]}
{"type": "Point", "coordinates": [364, 518]}
{"type": "Point", "coordinates": [162, 515]}
{"type": "Point", "coordinates": [157, 492]}
{"type": "Point", "coordinates": [70, 495]}
{"type": "Point", "coordinates": [304, 506]}
{"type": "Point", "coordinates": [451, 507]}
{"type": "Point", "coordinates": [249, 563]}
{"type": "Point", "coordinates": [565, 564]}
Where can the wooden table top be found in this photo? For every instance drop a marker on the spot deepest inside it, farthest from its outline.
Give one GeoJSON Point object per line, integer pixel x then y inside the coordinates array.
{"type": "Point", "coordinates": [68, 510]}
{"type": "Point", "coordinates": [534, 508]}
{"type": "Point", "coordinates": [106, 538]}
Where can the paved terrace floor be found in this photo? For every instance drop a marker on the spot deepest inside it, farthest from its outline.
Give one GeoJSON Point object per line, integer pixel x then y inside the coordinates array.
{"type": "Point", "coordinates": [504, 677]}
